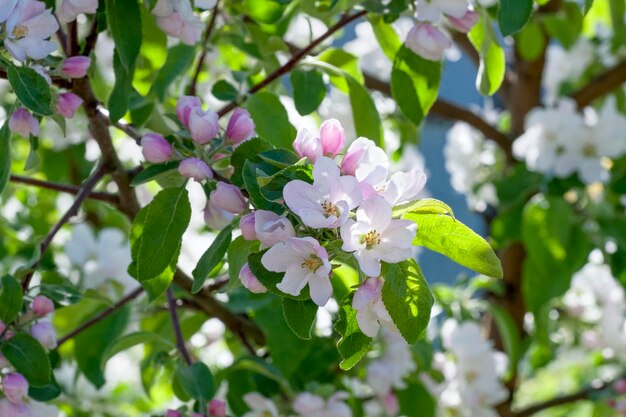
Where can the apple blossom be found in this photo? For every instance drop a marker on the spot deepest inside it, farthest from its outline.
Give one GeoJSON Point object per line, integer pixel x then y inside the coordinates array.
{"type": "Point", "coordinates": [195, 168]}
{"type": "Point", "coordinates": [216, 218]}
{"type": "Point", "coordinates": [304, 261]}
{"type": "Point", "coordinates": [228, 197]}
{"type": "Point", "coordinates": [173, 413]}
{"type": "Point", "coordinates": [259, 406]}
{"type": "Point", "coordinates": [9, 409]}
{"type": "Point", "coordinates": [23, 123]}
{"type": "Point", "coordinates": [42, 306]}
{"type": "Point", "coordinates": [240, 126]}
{"type": "Point", "coordinates": [332, 137]}
{"type": "Point", "coordinates": [217, 408]}
{"type": "Point", "coordinates": [250, 281]}
{"type": "Point", "coordinates": [375, 236]}
{"type": "Point", "coordinates": [247, 226]}
{"type": "Point", "coordinates": [70, 9]}
{"type": "Point", "coordinates": [366, 161]}
{"type": "Point", "coordinates": [327, 202]}
{"type": "Point", "coordinates": [15, 387]}
{"type": "Point", "coordinates": [307, 145]}
{"type": "Point", "coordinates": [466, 22]}
{"type": "Point", "coordinates": [310, 405]}
{"type": "Point", "coordinates": [371, 312]}
{"type": "Point", "coordinates": [6, 9]}
{"type": "Point", "coordinates": [67, 104]}
{"type": "Point", "coordinates": [203, 125]}
{"type": "Point", "coordinates": [176, 18]}
{"type": "Point", "coordinates": [388, 372]}
{"type": "Point", "coordinates": [272, 228]}
{"type": "Point", "coordinates": [27, 29]}
{"type": "Point", "coordinates": [76, 66]}
{"type": "Point", "coordinates": [45, 334]}
{"type": "Point", "coordinates": [155, 148]}
{"type": "Point", "coordinates": [403, 186]}
{"type": "Point", "coordinates": [184, 106]}
{"type": "Point", "coordinates": [428, 41]}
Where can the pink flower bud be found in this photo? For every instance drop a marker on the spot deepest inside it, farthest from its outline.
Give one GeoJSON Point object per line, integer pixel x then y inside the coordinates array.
{"type": "Point", "coordinates": [67, 104]}
{"type": "Point", "coordinates": [271, 228]}
{"type": "Point", "coordinates": [332, 137]}
{"type": "Point", "coordinates": [246, 224]}
{"type": "Point", "coordinates": [9, 409]}
{"type": "Point", "coordinates": [216, 218]}
{"type": "Point", "coordinates": [3, 327]}
{"type": "Point", "coordinates": [307, 145]}
{"type": "Point", "coordinates": [620, 386]}
{"type": "Point", "coordinates": [390, 403]}
{"type": "Point", "coordinates": [195, 168]}
{"type": "Point", "coordinates": [45, 334]}
{"type": "Point", "coordinates": [173, 413]}
{"type": "Point", "coordinates": [217, 408]}
{"type": "Point", "coordinates": [240, 126]}
{"type": "Point", "coordinates": [465, 23]}
{"type": "Point", "coordinates": [42, 306]}
{"type": "Point", "coordinates": [351, 160]}
{"type": "Point", "coordinates": [15, 387]}
{"type": "Point", "coordinates": [22, 123]}
{"type": "Point", "coordinates": [427, 41]}
{"type": "Point", "coordinates": [76, 66]}
{"type": "Point", "coordinates": [228, 197]}
{"type": "Point", "coordinates": [203, 125]}
{"type": "Point", "coordinates": [250, 281]}
{"type": "Point", "coordinates": [184, 106]}
{"type": "Point", "coordinates": [156, 148]}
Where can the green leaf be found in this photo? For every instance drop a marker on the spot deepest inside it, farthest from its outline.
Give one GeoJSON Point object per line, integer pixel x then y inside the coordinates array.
{"type": "Point", "coordinates": [152, 54]}
{"type": "Point", "coordinates": [407, 298]}
{"type": "Point", "coordinates": [92, 343]}
{"type": "Point", "coordinates": [458, 242]}
{"type": "Point", "coordinates": [272, 187]}
{"type": "Point", "coordinates": [248, 150]}
{"type": "Point", "coordinates": [213, 255]}
{"type": "Point", "coordinates": [237, 256]}
{"type": "Point", "coordinates": [531, 42]}
{"type": "Point", "coordinates": [153, 171]}
{"type": "Point", "coordinates": [386, 36]}
{"type": "Point", "coordinates": [353, 344]}
{"type": "Point", "coordinates": [133, 339]}
{"type": "Point", "coordinates": [47, 392]}
{"type": "Point", "coordinates": [179, 58]}
{"type": "Point", "coordinates": [194, 381]}
{"type": "Point", "coordinates": [423, 206]}
{"type": "Point", "coordinates": [308, 90]}
{"type": "Point", "coordinates": [252, 175]}
{"type": "Point", "coordinates": [300, 316]}
{"type": "Point", "coordinates": [157, 235]}
{"type": "Point", "coordinates": [364, 112]}
{"type": "Point", "coordinates": [509, 333]}
{"type": "Point", "coordinates": [270, 279]}
{"type": "Point", "coordinates": [5, 155]}
{"type": "Point", "coordinates": [28, 358]}
{"type": "Point", "coordinates": [341, 63]}
{"type": "Point", "coordinates": [10, 299]}
{"type": "Point", "coordinates": [264, 11]}
{"type": "Point", "coordinates": [513, 15]}
{"type": "Point", "coordinates": [416, 401]}
{"type": "Point", "coordinates": [492, 61]}
{"type": "Point", "coordinates": [31, 89]}
{"type": "Point", "coordinates": [414, 84]}
{"type": "Point", "coordinates": [223, 90]}
{"type": "Point", "coordinates": [120, 95]}
{"type": "Point", "coordinates": [124, 19]}
{"type": "Point", "coordinates": [270, 118]}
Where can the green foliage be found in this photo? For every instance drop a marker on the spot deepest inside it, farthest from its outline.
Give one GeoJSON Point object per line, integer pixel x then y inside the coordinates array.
{"type": "Point", "coordinates": [237, 256]}
{"type": "Point", "coordinates": [154, 172]}
{"type": "Point", "coordinates": [31, 89]}
{"type": "Point", "coordinates": [5, 155]}
{"type": "Point", "coordinates": [223, 90]}
{"type": "Point", "coordinates": [492, 61]}
{"type": "Point", "coordinates": [270, 118]}
{"type": "Point", "coordinates": [510, 336]}
{"type": "Point", "coordinates": [565, 25]}
{"type": "Point", "coordinates": [300, 316]}
{"type": "Point", "coordinates": [416, 401]}
{"type": "Point", "coordinates": [179, 58]}
{"type": "Point", "coordinates": [407, 298]}
{"type": "Point", "coordinates": [194, 381]}
{"type": "Point", "coordinates": [353, 344]}
{"type": "Point", "coordinates": [531, 42]}
{"type": "Point", "coordinates": [28, 358]}
{"type": "Point", "coordinates": [308, 90]}
{"type": "Point", "coordinates": [120, 95]}
{"type": "Point", "coordinates": [123, 18]}
{"type": "Point", "coordinates": [423, 206]}
{"type": "Point", "coordinates": [513, 15]}
{"type": "Point", "coordinates": [211, 258]}
{"type": "Point", "coordinates": [10, 298]}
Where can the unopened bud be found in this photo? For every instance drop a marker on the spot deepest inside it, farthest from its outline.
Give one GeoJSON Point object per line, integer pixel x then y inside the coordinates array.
{"type": "Point", "coordinates": [228, 197]}
{"type": "Point", "coordinates": [156, 148]}
{"type": "Point", "coordinates": [23, 123]}
{"type": "Point", "coordinates": [76, 66]}
{"type": "Point", "coordinates": [15, 387]}
{"type": "Point", "coordinates": [195, 168]}
{"type": "Point", "coordinates": [67, 104]}
{"type": "Point", "coordinates": [42, 306]}
{"type": "Point", "coordinates": [240, 126]}
{"type": "Point", "coordinates": [250, 281]}
{"type": "Point", "coordinates": [45, 334]}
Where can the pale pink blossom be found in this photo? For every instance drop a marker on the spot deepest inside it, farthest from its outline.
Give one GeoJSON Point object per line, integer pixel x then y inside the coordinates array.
{"type": "Point", "coordinates": [428, 41]}
{"type": "Point", "coordinates": [23, 123]}
{"type": "Point", "coordinates": [308, 145]}
{"type": "Point", "coordinates": [203, 125]}
{"type": "Point", "coordinates": [195, 168]}
{"type": "Point", "coordinates": [67, 104]}
{"type": "Point", "coordinates": [70, 9]}
{"type": "Point", "coordinates": [9, 409]}
{"type": "Point", "coordinates": [310, 405]}
{"type": "Point", "coordinates": [76, 66]}
{"type": "Point", "coordinates": [216, 218]}
{"type": "Point", "coordinates": [177, 19]}
{"type": "Point", "coordinates": [259, 406]}
{"type": "Point", "coordinates": [27, 29]}
{"type": "Point", "coordinates": [6, 9]}
{"type": "Point", "coordinates": [327, 202]}
{"type": "Point", "coordinates": [240, 126]}
{"type": "Point", "coordinates": [228, 197]}
{"type": "Point", "coordinates": [156, 148]}
{"type": "Point", "coordinates": [403, 186]}
{"type": "Point", "coordinates": [45, 334]}
{"type": "Point", "coordinates": [371, 312]}
{"type": "Point", "coordinates": [465, 23]}
{"type": "Point", "coordinates": [15, 387]}
{"type": "Point", "coordinates": [376, 237]}
{"type": "Point", "coordinates": [366, 161]}
{"type": "Point", "coordinates": [42, 306]}
{"type": "Point", "coordinates": [304, 261]}
{"type": "Point", "coordinates": [184, 106]}
{"type": "Point", "coordinates": [217, 408]}
{"type": "Point", "coordinates": [250, 281]}
{"type": "Point", "coordinates": [272, 228]}
{"type": "Point", "coordinates": [247, 226]}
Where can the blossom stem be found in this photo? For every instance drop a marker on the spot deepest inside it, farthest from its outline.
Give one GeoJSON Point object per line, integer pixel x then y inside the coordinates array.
{"type": "Point", "coordinates": [71, 189]}
{"type": "Point", "coordinates": [180, 341]}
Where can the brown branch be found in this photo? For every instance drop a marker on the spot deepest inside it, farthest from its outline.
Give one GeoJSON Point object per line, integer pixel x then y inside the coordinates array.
{"type": "Point", "coordinates": [180, 341]}
{"type": "Point", "coordinates": [70, 189]}
{"type": "Point", "coordinates": [91, 39]}
{"type": "Point", "coordinates": [601, 85]}
{"type": "Point", "coordinates": [72, 211]}
{"type": "Point", "coordinates": [101, 315]}
{"type": "Point", "coordinates": [289, 65]}
{"type": "Point", "coordinates": [205, 40]}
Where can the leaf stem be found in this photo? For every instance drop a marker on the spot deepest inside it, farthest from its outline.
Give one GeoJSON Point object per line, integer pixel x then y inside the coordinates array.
{"type": "Point", "coordinates": [180, 341]}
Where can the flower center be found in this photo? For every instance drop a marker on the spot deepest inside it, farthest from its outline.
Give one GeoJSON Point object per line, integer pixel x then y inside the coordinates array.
{"type": "Point", "coordinates": [370, 239]}
{"type": "Point", "coordinates": [20, 31]}
{"type": "Point", "coordinates": [330, 209]}
{"type": "Point", "coordinates": [311, 263]}
{"type": "Point", "coordinates": [589, 150]}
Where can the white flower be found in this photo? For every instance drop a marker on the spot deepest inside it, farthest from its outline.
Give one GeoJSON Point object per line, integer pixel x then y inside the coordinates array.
{"type": "Point", "coordinates": [375, 236]}
{"type": "Point", "coordinates": [70, 9]}
{"type": "Point", "coordinates": [388, 372]}
{"type": "Point", "coordinates": [327, 202]}
{"type": "Point", "coordinates": [28, 27]}
{"type": "Point", "coordinates": [259, 406]}
{"type": "Point", "coordinates": [565, 65]}
{"type": "Point", "coordinates": [271, 228]}
{"type": "Point", "coordinates": [371, 312]}
{"type": "Point", "coordinates": [177, 19]}
{"type": "Point", "coordinates": [310, 405]}
{"type": "Point", "coordinates": [303, 261]}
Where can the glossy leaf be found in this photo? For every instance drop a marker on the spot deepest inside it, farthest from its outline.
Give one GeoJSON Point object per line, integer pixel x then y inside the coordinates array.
{"type": "Point", "coordinates": [120, 95]}
{"type": "Point", "coordinates": [513, 15]}
{"type": "Point", "coordinates": [423, 206]}
{"type": "Point", "coordinates": [154, 171]}
{"type": "Point", "coordinates": [211, 258]}
{"type": "Point", "coordinates": [179, 58]}
{"type": "Point", "coordinates": [308, 90]}
{"type": "Point", "coordinates": [10, 298]}
{"type": "Point", "coordinates": [28, 358]}
{"type": "Point", "coordinates": [270, 279]}
{"type": "Point", "coordinates": [300, 316]}
{"type": "Point", "coordinates": [124, 19]}
{"type": "Point", "coordinates": [194, 381]}
{"type": "Point", "coordinates": [5, 155]}
{"type": "Point", "coordinates": [492, 61]}
{"type": "Point", "coordinates": [270, 118]}
{"type": "Point", "coordinates": [353, 344]}
{"type": "Point", "coordinates": [31, 89]}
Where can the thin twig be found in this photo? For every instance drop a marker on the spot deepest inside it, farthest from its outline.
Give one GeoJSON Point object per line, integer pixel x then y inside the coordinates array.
{"type": "Point", "coordinates": [205, 40]}
{"type": "Point", "coordinates": [101, 315]}
{"type": "Point", "coordinates": [180, 341]}
{"type": "Point", "coordinates": [289, 65]}
{"type": "Point", "coordinates": [71, 189]}
{"type": "Point", "coordinates": [86, 188]}
{"type": "Point", "coordinates": [601, 85]}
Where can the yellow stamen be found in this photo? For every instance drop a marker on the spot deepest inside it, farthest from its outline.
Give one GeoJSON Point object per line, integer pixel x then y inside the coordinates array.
{"type": "Point", "coordinates": [330, 209]}
{"type": "Point", "coordinates": [20, 31]}
{"type": "Point", "coordinates": [312, 263]}
{"type": "Point", "coordinates": [371, 238]}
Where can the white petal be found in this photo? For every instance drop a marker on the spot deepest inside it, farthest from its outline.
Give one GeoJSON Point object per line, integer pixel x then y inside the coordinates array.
{"type": "Point", "coordinates": [320, 289]}
{"type": "Point", "coordinates": [376, 212]}
{"type": "Point", "coordinates": [300, 195]}
{"type": "Point", "coordinates": [347, 189]}
{"type": "Point", "coordinates": [325, 173]}
{"type": "Point", "coordinates": [295, 280]}
{"type": "Point", "coordinates": [368, 321]}
{"type": "Point", "coordinates": [368, 264]}
{"type": "Point", "coordinates": [280, 257]}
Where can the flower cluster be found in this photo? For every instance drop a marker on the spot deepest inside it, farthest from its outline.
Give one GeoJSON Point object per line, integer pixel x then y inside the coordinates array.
{"type": "Point", "coordinates": [471, 371]}
{"type": "Point", "coordinates": [305, 405]}
{"type": "Point", "coordinates": [215, 408]}
{"type": "Point", "coordinates": [349, 202]}
{"type": "Point", "coordinates": [27, 26]}
{"type": "Point", "coordinates": [177, 19]}
{"type": "Point", "coordinates": [14, 385]}
{"type": "Point", "coordinates": [426, 38]}
{"type": "Point", "coordinates": [560, 141]}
